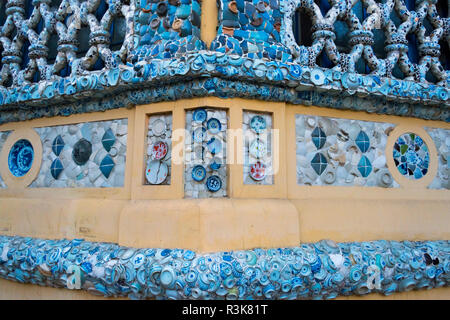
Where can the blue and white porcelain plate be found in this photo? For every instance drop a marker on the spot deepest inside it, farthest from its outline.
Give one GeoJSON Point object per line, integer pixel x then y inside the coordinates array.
{"type": "Point", "coordinates": [199, 115]}
{"type": "Point", "coordinates": [258, 124]}
{"type": "Point", "coordinates": [198, 173]}
{"type": "Point", "coordinates": [214, 145]}
{"type": "Point", "coordinates": [214, 183]}
{"type": "Point", "coordinates": [21, 158]}
{"type": "Point", "coordinates": [199, 134]}
{"type": "Point", "coordinates": [214, 125]}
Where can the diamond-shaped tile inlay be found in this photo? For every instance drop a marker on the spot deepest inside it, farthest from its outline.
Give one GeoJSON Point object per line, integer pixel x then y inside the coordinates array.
{"type": "Point", "coordinates": [56, 168]}
{"type": "Point", "coordinates": [364, 166]}
{"type": "Point", "coordinates": [107, 165]}
{"type": "Point", "coordinates": [362, 141]}
{"type": "Point", "coordinates": [318, 137]}
{"type": "Point", "coordinates": [319, 163]}
{"type": "Point", "coordinates": [57, 145]}
{"type": "Point", "coordinates": [108, 139]}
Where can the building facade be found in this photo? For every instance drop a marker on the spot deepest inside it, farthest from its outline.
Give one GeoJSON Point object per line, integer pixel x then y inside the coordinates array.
{"type": "Point", "coordinates": [238, 149]}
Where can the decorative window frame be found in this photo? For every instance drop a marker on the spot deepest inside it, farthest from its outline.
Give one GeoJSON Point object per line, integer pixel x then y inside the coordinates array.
{"type": "Point", "coordinates": [409, 188]}
{"type": "Point", "coordinates": [433, 166]}
{"type": "Point", "coordinates": [279, 188]}
{"type": "Point", "coordinates": [140, 190]}
{"type": "Point", "coordinates": [25, 130]}
{"type": "Point", "coordinates": [12, 182]}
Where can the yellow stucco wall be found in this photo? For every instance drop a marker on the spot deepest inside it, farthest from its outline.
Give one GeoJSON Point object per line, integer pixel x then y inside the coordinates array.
{"type": "Point", "coordinates": [282, 214]}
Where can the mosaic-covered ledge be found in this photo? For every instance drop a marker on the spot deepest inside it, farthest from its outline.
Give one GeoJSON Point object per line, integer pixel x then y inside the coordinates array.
{"type": "Point", "coordinates": [300, 84]}
{"type": "Point", "coordinates": [221, 88]}
{"type": "Point", "coordinates": [322, 270]}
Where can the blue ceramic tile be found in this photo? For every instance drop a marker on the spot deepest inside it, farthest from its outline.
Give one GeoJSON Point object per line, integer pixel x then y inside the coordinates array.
{"type": "Point", "coordinates": [107, 165]}
{"type": "Point", "coordinates": [58, 145]}
{"type": "Point", "coordinates": [318, 137]}
{"type": "Point", "coordinates": [319, 163]}
{"type": "Point", "coordinates": [56, 168]}
{"type": "Point", "coordinates": [108, 139]}
{"type": "Point", "coordinates": [362, 141]}
{"type": "Point", "coordinates": [364, 166]}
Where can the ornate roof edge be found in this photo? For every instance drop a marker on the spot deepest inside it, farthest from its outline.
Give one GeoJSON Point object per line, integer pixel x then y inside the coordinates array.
{"type": "Point", "coordinates": [209, 73]}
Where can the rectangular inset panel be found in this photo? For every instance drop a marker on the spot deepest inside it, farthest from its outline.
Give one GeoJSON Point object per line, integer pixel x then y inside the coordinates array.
{"type": "Point", "coordinates": [3, 136]}
{"type": "Point", "coordinates": [441, 139]}
{"type": "Point", "coordinates": [342, 152]}
{"type": "Point", "coordinates": [83, 155]}
{"type": "Point", "coordinates": [205, 149]}
{"type": "Point", "coordinates": [159, 150]}
{"type": "Point", "coordinates": [257, 133]}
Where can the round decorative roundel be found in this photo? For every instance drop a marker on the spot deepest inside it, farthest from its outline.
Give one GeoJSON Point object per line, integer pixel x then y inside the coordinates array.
{"type": "Point", "coordinates": [21, 158]}
{"type": "Point", "coordinates": [411, 156]}
{"type": "Point", "coordinates": [82, 150]}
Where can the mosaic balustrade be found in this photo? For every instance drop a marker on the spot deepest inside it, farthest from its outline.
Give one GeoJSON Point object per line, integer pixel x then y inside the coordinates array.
{"type": "Point", "coordinates": [321, 270]}
{"type": "Point", "coordinates": [87, 155]}
{"type": "Point", "coordinates": [105, 75]}
{"type": "Point", "coordinates": [205, 173]}
{"type": "Point", "coordinates": [342, 152]}
{"type": "Point", "coordinates": [378, 16]}
{"type": "Point", "coordinates": [167, 28]}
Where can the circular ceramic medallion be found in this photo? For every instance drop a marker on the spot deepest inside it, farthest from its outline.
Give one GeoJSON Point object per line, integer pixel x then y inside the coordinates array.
{"type": "Point", "coordinates": [258, 124]}
{"type": "Point", "coordinates": [199, 115]}
{"type": "Point", "coordinates": [214, 183]}
{"type": "Point", "coordinates": [258, 148]}
{"type": "Point", "coordinates": [258, 171]}
{"type": "Point", "coordinates": [168, 276]}
{"type": "Point", "coordinates": [214, 125]}
{"type": "Point", "coordinates": [159, 127]}
{"type": "Point", "coordinates": [411, 156]}
{"type": "Point", "coordinates": [82, 150]}
{"type": "Point", "coordinates": [156, 172]}
{"type": "Point", "coordinates": [199, 134]}
{"type": "Point", "coordinates": [21, 158]}
{"type": "Point", "coordinates": [214, 145]}
{"type": "Point", "coordinates": [159, 150]}
{"type": "Point", "coordinates": [198, 173]}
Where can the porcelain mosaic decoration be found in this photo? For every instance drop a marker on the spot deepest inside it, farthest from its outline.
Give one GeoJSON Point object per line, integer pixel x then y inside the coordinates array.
{"type": "Point", "coordinates": [205, 172]}
{"type": "Point", "coordinates": [343, 152]}
{"type": "Point", "coordinates": [83, 155]}
{"type": "Point", "coordinates": [257, 147]}
{"type": "Point", "coordinates": [110, 74]}
{"type": "Point", "coordinates": [322, 270]}
{"type": "Point", "coordinates": [20, 158]}
{"type": "Point", "coordinates": [411, 156]}
{"type": "Point", "coordinates": [3, 136]}
{"type": "Point", "coordinates": [251, 28]}
{"type": "Point", "coordinates": [159, 150]}
{"type": "Point", "coordinates": [441, 139]}
{"type": "Point", "coordinates": [166, 29]}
